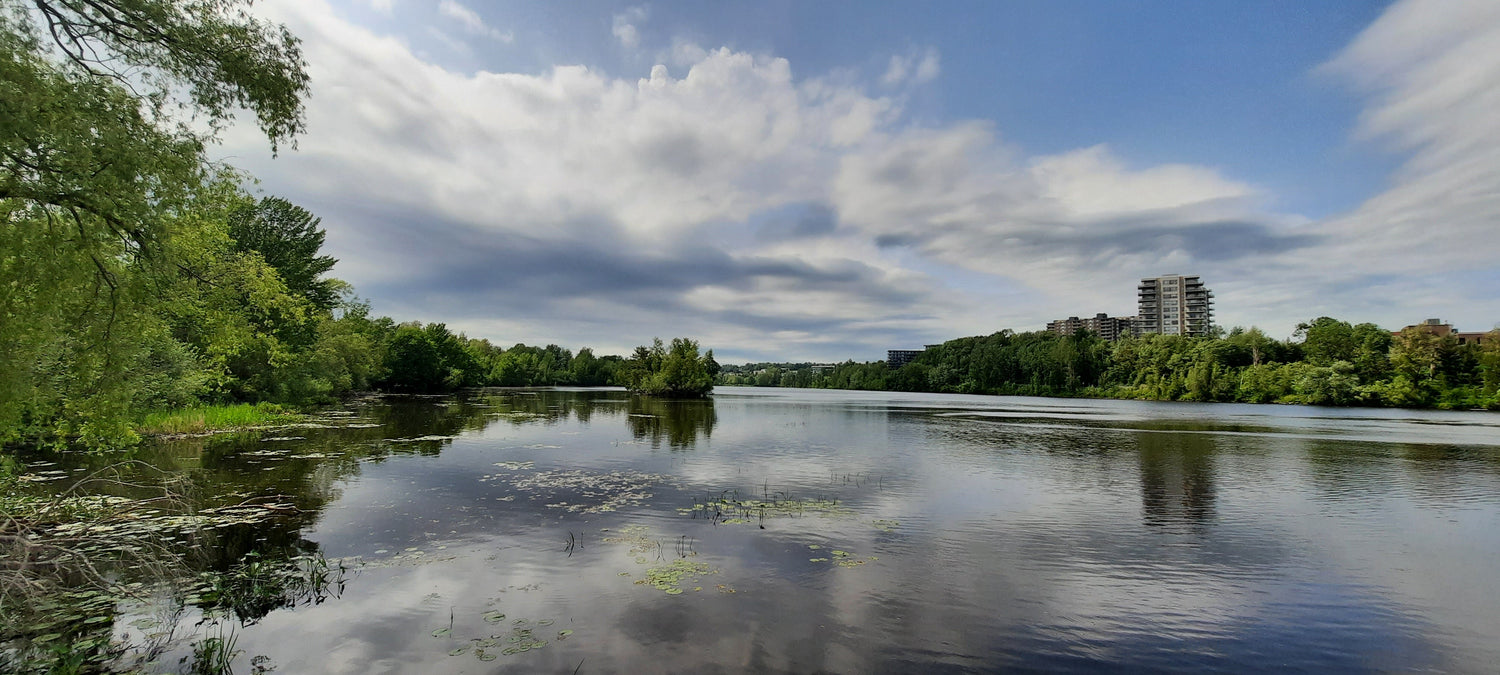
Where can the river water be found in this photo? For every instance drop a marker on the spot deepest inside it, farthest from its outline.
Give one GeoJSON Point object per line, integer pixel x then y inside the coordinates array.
{"type": "Point", "coordinates": [786, 530]}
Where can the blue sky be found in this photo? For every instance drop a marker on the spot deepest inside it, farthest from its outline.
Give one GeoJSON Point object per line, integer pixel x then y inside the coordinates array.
{"type": "Point", "coordinates": [792, 180]}
{"type": "Point", "coordinates": [1217, 84]}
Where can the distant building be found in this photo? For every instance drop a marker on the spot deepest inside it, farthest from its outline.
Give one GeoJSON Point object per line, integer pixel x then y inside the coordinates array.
{"type": "Point", "coordinates": [895, 358]}
{"type": "Point", "coordinates": [1105, 326]}
{"type": "Point", "coordinates": [1175, 305]}
{"type": "Point", "coordinates": [1437, 327]}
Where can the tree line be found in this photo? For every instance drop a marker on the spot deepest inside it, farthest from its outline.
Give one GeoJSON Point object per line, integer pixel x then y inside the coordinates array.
{"type": "Point", "coordinates": [1328, 362]}
{"type": "Point", "coordinates": [136, 274]}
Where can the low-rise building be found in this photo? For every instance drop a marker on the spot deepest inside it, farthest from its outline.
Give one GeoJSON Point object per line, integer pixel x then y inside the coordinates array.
{"type": "Point", "coordinates": [895, 358]}
{"type": "Point", "coordinates": [1438, 327]}
{"type": "Point", "coordinates": [1105, 326]}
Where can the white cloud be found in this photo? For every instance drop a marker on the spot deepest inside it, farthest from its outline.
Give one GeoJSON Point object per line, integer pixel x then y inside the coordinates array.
{"type": "Point", "coordinates": [472, 21]}
{"type": "Point", "coordinates": [913, 68]}
{"type": "Point", "coordinates": [1432, 70]}
{"type": "Point", "coordinates": [624, 26]}
{"type": "Point", "coordinates": [1422, 247]}
{"type": "Point", "coordinates": [382, 6]}
{"type": "Point", "coordinates": [589, 209]}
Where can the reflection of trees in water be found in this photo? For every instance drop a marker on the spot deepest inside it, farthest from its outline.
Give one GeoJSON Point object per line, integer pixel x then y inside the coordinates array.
{"type": "Point", "coordinates": [678, 422]}
{"type": "Point", "coordinates": [1177, 477]}
{"type": "Point", "coordinates": [551, 406]}
{"type": "Point", "coordinates": [306, 469]}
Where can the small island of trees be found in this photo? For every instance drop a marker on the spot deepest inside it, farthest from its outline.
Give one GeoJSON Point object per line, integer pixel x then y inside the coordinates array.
{"type": "Point", "coordinates": [671, 372]}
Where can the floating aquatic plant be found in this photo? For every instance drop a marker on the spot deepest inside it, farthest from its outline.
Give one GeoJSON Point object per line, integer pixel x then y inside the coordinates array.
{"type": "Point", "coordinates": [728, 508]}
{"type": "Point", "coordinates": [841, 558]}
{"type": "Point", "coordinates": [670, 577]}
{"type": "Point", "coordinates": [521, 638]}
{"type": "Point", "coordinates": [588, 492]}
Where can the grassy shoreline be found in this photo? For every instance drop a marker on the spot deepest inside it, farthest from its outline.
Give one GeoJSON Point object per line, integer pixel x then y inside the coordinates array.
{"type": "Point", "coordinates": [214, 418]}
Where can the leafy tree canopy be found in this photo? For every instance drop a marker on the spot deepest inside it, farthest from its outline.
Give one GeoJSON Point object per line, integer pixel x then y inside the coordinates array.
{"type": "Point", "coordinates": [287, 237]}
{"type": "Point", "coordinates": [677, 371]}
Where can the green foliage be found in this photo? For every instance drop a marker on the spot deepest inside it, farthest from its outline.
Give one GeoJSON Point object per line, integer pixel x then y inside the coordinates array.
{"type": "Point", "coordinates": [199, 419]}
{"type": "Point", "coordinates": [1326, 340]}
{"type": "Point", "coordinates": [677, 371]}
{"type": "Point", "coordinates": [429, 358]}
{"type": "Point", "coordinates": [1336, 363]}
{"type": "Point", "coordinates": [1417, 353]}
{"type": "Point", "coordinates": [101, 192]}
{"type": "Point", "coordinates": [287, 237]}
{"type": "Point", "coordinates": [212, 50]}
{"type": "Point", "coordinates": [1489, 362]}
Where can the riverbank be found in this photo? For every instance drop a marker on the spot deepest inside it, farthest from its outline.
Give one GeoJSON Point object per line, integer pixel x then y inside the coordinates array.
{"type": "Point", "coordinates": [215, 419]}
{"type": "Point", "coordinates": [1474, 404]}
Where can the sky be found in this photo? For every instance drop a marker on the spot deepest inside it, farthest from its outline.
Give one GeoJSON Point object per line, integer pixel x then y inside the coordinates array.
{"type": "Point", "coordinates": [796, 181]}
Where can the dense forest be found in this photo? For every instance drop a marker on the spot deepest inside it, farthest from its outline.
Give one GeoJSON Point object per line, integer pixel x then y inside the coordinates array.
{"type": "Point", "coordinates": [1331, 362]}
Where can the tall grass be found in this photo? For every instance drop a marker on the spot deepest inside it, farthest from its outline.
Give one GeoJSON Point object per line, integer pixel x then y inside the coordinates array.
{"type": "Point", "coordinates": [214, 418]}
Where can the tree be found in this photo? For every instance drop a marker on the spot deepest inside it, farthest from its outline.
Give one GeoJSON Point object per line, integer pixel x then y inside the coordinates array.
{"type": "Point", "coordinates": [1489, 361]}
{"type": "Point", "coordinates": [1417, 352]}
{"type": "Point", "coordinates": [98, 175]}
{"type": "Point", "coordinates": [412, 361]}
{"type": "Point", "coordinates": [1254, 341]}
{"type": "Point", "coordinates": [1372, 349]}
{"type": "Point", "coordinates": [213, 50]}
{"type": "Point", "coordinates": [1326, 340]}
{"type": "Point", "coordinates": [587, 370]}
{"type": "Point", "coordinates": [675, 372]}
{"type": "Point", "coordinates": [1329, 385]}
{"type": "Point", "coordinates": [289, 240]}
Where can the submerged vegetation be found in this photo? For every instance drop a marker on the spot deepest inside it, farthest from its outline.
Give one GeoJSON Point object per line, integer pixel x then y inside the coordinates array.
{"type": "Point", "coordinates": [1332, 363]}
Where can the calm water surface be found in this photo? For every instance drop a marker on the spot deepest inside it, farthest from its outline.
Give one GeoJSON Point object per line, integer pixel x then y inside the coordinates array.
{"type": "Point", "coordinates": [781, 530]}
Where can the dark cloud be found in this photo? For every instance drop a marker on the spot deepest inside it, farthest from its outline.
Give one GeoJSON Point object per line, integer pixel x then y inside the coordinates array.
{"type": "Point", "coordinates": [799, 222]}
{"type": "Point", "coordinates": [679, 153]}
{"type": "Point", "coordinates": [473, 270]}
{"type": "Point", "coordinates": [1212, 242]}
{"type": "Point", "coordinates": [1217, 241]}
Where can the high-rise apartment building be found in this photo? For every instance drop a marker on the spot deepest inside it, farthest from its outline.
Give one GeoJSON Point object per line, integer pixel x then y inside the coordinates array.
{"type": "Point", "coordinates": [1175, 305]}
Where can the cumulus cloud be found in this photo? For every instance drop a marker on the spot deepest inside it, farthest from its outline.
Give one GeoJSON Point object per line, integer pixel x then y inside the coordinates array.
{"type": "Point", "coordinates": [624, 27]}
{"type": "Point", "coordinates": [775, 216]}
{"type": "Point", "coordinates": [471, 21]}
